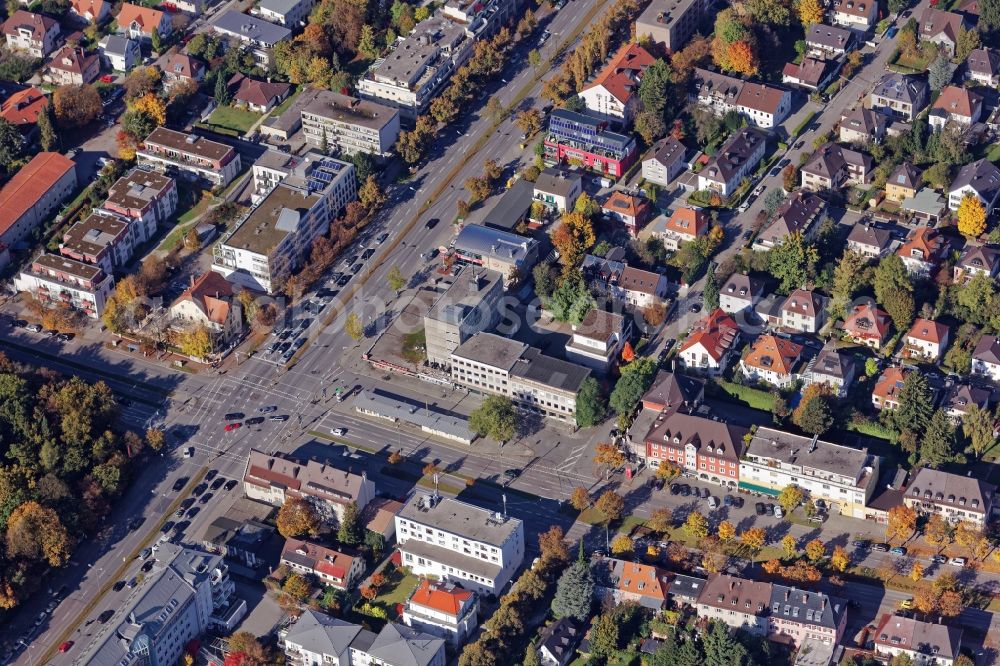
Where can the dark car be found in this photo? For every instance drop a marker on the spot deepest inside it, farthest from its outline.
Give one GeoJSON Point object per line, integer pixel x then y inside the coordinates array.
{"type": "Point", "coordinates": [367, 254]}
{"type": "Point", "coordinates": [167, 526]}
{"type": "Point", "coordinates": [431, 223]}
{"type": "Point", "coordinates": [64, 337]}
{"type": "Point", "coordinates": [186, 504]}
{"type": "Point", "coordinates": [205, 498]}
{"type": "Point", "coordinates": [147, 566]}
{"type": "Point", "coordinates": [760, 508]}
{"type": "Point", "coordinates": [231, 483]}
{"type": "Point", "coordinates": [193, 511]}
{"type": "Point", "coordinates": [861, 543]}
{"type": "Point", "coordinates": [728, 500]}
{"type": "Point", "coordinates": [179, 483]}
{"type": "Point", "coordinates": [344, 279]}
{"type": "Point", "coordinates": [200, 488]}
{"type": "Point", "coordinates": [356, 268]}
{"type": "Point", "coordinates": [218, 483]}
{"type": "Point", "coordinates": [685, 490]}
{"type": "Point", "coordinates": [181, 526]}
{"type": "Point", "coordinates": [512, 473]}
{"type": "Point", "coordinates": [105, 616]}
{"type": "Point", "coordinates": [255, 420]}
{"type": "Point", "coordinates": [695, 307]}
{"type": "Point", "coordinates": [135, 523]}
{"type": "Point", "coordinates": [747, 234]}
{"type": "Point", "coordinates": [212, 473]}
{"type": "Point", "coordinates": [880, 547]}
{"type": "Point", "coordinates": [738, 502]}
{"type": "Point", "coordinates": [235, 416]}
{"type": "Point", "coordinates": [119, 586]}
{"type": "Point", "coordinates": [704, 493]}
{"type": "Point", "coordinates": [19, 323]}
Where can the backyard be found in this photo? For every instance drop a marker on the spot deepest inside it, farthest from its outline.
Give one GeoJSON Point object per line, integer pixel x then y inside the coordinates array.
{"type": "Point", "coordinates": [237, 121]}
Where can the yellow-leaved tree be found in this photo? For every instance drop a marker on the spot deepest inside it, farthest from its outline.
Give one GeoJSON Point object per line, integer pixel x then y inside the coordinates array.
{"type": "Point", "coordinates": [152, 105]}
{"type": "Point", "coordinates": [810, 12]}
{"type": "Point", "coordinates": [971, 216]}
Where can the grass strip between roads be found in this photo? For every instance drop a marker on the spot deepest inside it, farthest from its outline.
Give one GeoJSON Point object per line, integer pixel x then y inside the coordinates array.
{"type": "Point", "coordinates": [119, 573]}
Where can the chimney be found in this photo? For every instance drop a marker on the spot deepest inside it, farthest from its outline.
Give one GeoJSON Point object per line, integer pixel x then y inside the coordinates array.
{"type": "Point", "coordinates": [787, 594]}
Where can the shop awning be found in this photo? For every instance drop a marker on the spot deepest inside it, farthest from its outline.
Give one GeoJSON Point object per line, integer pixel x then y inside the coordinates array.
{"type": "Point", "coordinates": [753, 488]}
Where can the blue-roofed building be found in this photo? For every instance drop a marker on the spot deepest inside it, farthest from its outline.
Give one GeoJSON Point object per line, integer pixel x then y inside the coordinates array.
{"type": "Point", "coordinates": [509, 254]}
{"type": "Point", "coordinates": [576, 136]}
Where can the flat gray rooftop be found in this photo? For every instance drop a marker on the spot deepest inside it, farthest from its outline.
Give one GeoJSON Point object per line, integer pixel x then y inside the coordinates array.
{"type": "Point", "coordinates": [465, 520]}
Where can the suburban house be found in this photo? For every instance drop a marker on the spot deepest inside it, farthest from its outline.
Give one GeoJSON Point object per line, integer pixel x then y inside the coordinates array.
{"type": "Point", "coordinates": [828, 42]}
{"type": "Point", "coordinates": [209, 302]}
{"type": "Point", "coordinates": [632, 211]}
{"type": "Point", "coordinates": [140, 22]}
{"type": "Point", "coordinates": [119, 53]}
{"type": "Point", "coordinates": [666, 163]}
{"type": "Point", "coordinates": [925, 643]}
{"type": "Point", "coordinates": [855, 14]}
{"type": "Point", "coordinates": [258, 36]}
{"type": "Point", "coordinates": [798, 214]}
{"type": "Point", "coordinates": [670, 392]}
{"type": "Point", "coordinates": [445, 610]}
{"type": "Point", "coordinates": [558, 189]}
{"type": "Point", "coordinates": [34, 34]}
{"type": "Point", "coordinates": [620, 581]}
{"type": "Point", "coordinates": [273, 478]}
{"type": "Point", "coordinates": [181, 67]}
{"type": "Point", "coordinates": [926, 340]}
{"type": "Point", "coordinates": [976, 260]}
{"type": "Point", "coordinates": [57, 280]}
{"type": "Point", "coordinates": [640, 288]}
{"type": "Point", "coordinates": [92, 11]}
{"type": "Point", "coordinates": [764, 106]}
{"type": "Point", "coordinates": [981, 179]}
{"type": "Point", "coordinates": [288, 13]}
{"type": "Point", "coordinates": [707, 449]}
{"type": "Point", "coordinates": [833, 167]}
{"type": "Point", "coordinates": [557, 642]}
{"type": "Point", "coordinates": [863, 126]}
{"type": "Point", "coordinates": [684, 225]}
{"type": "Point", "coordinates": [598, 339]}
{"type": "Point", "coordinates": [670, 23]}
{"type": "Point", "coordinates": [331, 567]}
{"type": "Point", "coordinates": [735, 160]}
{"type": "Point", "coordinates": [23, 107]}
{"type": "Point", "coordinates": [955, 105]}
{"type": "Point", "coordinates": [317, 638]}
{"type": "Point", "coordinates": [712, 342]}
{"type": "Point", "coordinates": [903, 183]}
{"type": "Point", "coordinates": [942, 28]}
{"type": "Point", "coordinates": [740, 293]}
{"type": "Point", "coordinates": [868, 325]}
{"type": "Point", "coordinates": [885, 394]}
{"type": "Point", "coordinates": [842, 476]}
{"type": "Point", "coordinates": [71, 65]}
{"type": "Point", "coordinates": [956, 497]}
{"type": "Point", "coordinates": [963, 397]}
{"type": "Point", "coordinates": [810, 73]}
{"type": "Point", "coordinates": [922, 251]}
{"type": "Point", "coordinates": [869, 241]}
{"type": "Point", "coordinates": [587, 140]}
{"type": "Point", "coordinates": [983, 67]}
{"type": "Point", "coordinates": [33, 193]}
{"type": "Point", "coordinates": [614, 92]}
{"type": "Point", "coordinates": [803, 311]}
{"type": "Point", "coordinates": [926, 207]}
{"type": "Point", "coordinates": [454, 541]}
{"type": "Point", "coordinates": [258, 96]}
{"type": "Point", "coordinates": [772, 360]}
{"type": "Point", "coordinates": [986, 357]}
{"type": "Point", "coordinates": [833, 368]}
{"type": "Point", "coordinates": [902, 96]}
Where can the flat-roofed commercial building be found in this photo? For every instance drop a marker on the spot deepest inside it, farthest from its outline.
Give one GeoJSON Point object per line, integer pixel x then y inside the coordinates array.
{"type": "Point", "coordinates": [274, 238]}
{"type": "Point", "coordinates": [57, 280]}
{"type": "Point", "coordinates": [350, 125]}
{"type": "Point", "coordinates": [456, 541]}
{"type": "Point", "coordinates": [470, 303]}
{"type": "Point", "coordinates": [189, 156]}
{"type": "Point", "coordinates": [670, 22]}
{"type": "Point", "coordinates": [509, 254]}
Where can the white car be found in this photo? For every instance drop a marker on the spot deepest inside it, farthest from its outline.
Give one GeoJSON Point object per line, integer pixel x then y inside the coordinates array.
{"type": "Point", "coordinates": [957, 561]}
{"type": "Point", "coordinates": [338, 432]}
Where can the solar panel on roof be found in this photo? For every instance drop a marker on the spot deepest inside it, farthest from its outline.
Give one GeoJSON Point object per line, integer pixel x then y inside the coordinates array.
{"type": "Point", "coordinates": [322, 176]}
{"type": "Point", "coordinates": [331, 165]}
{"type": "Point", "coordinates": [315, 184]}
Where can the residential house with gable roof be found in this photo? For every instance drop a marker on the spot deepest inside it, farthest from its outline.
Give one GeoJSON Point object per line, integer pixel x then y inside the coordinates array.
{"type": "Point", "coordinates": [22, 109]}
{"type": "Point", "coordinates": [733, 162]}
{"type": "Point", "coordinates": [765, 106]}
{"type": "Point", "coordinates": [986, 357]}
{"type": "Point", "coordinates": [708, 449]}
{"type": "Point", "coordinates": [182, 67]}
{"type": "Point", "coordinates": [803, 310]}
{"type": "Point", "coordinates": [957, 106]}
{"type": "Point", "coordinates": [827, 41]}
{"type": "Point", "coordinates": [868, 325]}
{"type": "Point", "coordinates": [740, 292]}
{"type": "Point", "coordinates": [868, 240]}
{"type": "Point", "coordinates": [922, 251]}
{"type": "Point", "coordinates": [557, 642]}
{"type": "Point", "coordinates": [833, 368]}
{"type": "Point", "coordinates": [258, 96]}
{"type": "Point", "coordinates": [855, 14]}
{"type": "Point", "coordinates": [94, 11]}
{"type": "Point", "coordinates": [863, 126]}
{"type": "Point", "coordinates": [35, 34]}
{"type": "Point", "coordinates": [926, 340]}
{"type": "Point", "coordinates": [833, 167]}
{"type": "Point", "coordinates": [666, 163]}
{"type": "Point", "coordinates": [925, 643]}
{"type": "Point", "coordinates": [318, 638]}
{"type": "Point", "coordinates": [683, 226]}
{"type": "Point", "coordinates": [620, 581]}
{"type": "Point", "coordinates": [119, 53]}
{"type": "Point", "coordinates": [963, 397]}
{"type": "Point", "coordinates": [955, 497]}
{"type": "Point", "coordinates": [442, 609]}
{"type": "Point", "coordinates": [942, 28]}
{"type": "Point", "coordinates": [980, 179]}
{"type": "Point", "coordinates": [983, 67]}
{"type": "Point", "coordinates": [885, 393]}
{"type": "Point", "coordinates": [772, 360]}
{"type": "Point", "coordinates": [640, 288]}
{"type": "Point", "coordinates": [711, 344]}
{"type": "Point", "coordinates": [140, 22]}
{"type": "Point", "coordinates": [977, 260]}
{"type": "Point", "coordinates": [71, 65]}
{"type": "Point", "coordinates": [810, 73]}
{"type": "Point", "coordinates": [799, 616]}
{"type": "Point", "coordinates": [630, 210]}
{"type": "Point", "coordinates": [900, 95]}
{"type": "Point", "coordinates": [614, 92]}
{"type": "Point", "coordinates": [558, 189]}
{"type": "Point", "coordinates": [671, 391]}
{"type": "Point", "coordinates": [333, 568]}
{"type": "Point", "coordinates": [210, 302]}
{"type": "Point", "coordinates": [903, 183]}
{"type": "Point", "coordinates": [799, 213]}
{"type": "Point", "coordinates": [737, 602]}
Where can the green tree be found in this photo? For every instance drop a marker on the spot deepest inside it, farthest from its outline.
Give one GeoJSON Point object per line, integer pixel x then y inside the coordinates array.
{"type": "Point", "coordinates": [977, 426]}
{"type": "Point", "coordinates": [395, 279]}
{"type": "Point", "coordinates": [915, 403]}
{"type": "Point", "coordinates": [48, 137]}
{"type": "Point", "coordinates": [353, 327]}
{"type": "Point", "coordinates": [534, 59]}
{"type": "Point", "coordinates": [222, 96]}
{"type": "Point", "coordinates": [604, 635]}
{"type": "Point", "coordinates": [976, 297]}
{"type": "Point", "coordinates": [723, 648]}
{"type": "Point", "coordinates": [710, 294]}
{"type": "Point", "coordinates": [940, 72]}
{"type": "Point", "coordinates": [367, 45]}
{"type": "Point", "coordinates": [654, 88]}
{"type": "Point", "coordinates": [793, 262]}
{"type": "Point", "coordinates": [546, 280]}
{"type": "Point", "coordinates": [634, 380]}
{"type": "Point", "coordinates": [349, 526]}
{"type": "Point", "coordinates": [157, 42]}
{"type": "Point", "coordinates": [937, 446]}
{"type": "Point", "coordinates": [900, 307]}
{"type": "Point", "coordinates": [891, 276]}
{"type": "Point", "coordinates": [790, 497]}
{"type": "Point", "coordinates": [815, 416]}
{"type": "Point", "coordinates": [11, 144]}
{"type": "Point", "coordinates": [989, 15]}
{"type": "Point", "coordinates": [574, 592]}
{"type": "Point", "coordinates": [848, 277]}
{"type": "Point", "coordinates": [495, 418]}
{"type": "Point", "coordinates": [590, 404]}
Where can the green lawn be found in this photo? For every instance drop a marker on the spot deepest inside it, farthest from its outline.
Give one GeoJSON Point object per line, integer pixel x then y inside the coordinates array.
{"type": "Point", "coordinates": [397, 591]}
{"type": "Point", "coordinates": [281, 108]}
{"type": "Point", "coordinates": [756, 398]}
{"type": "Point", "coordinates": [237, 120]}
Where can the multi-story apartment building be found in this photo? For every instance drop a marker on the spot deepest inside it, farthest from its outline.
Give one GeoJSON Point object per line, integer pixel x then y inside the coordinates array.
{"type": "Point", "coordinates": [185, 594]}
{"type": "Point", "coordinates": [579, 138]}
{"type": "Point", "coordinates": [833, 167]}
{"type": "Point", "coordinates": [33, 194]}
{"type": "Point", "coordinates": [330, 567]}
{"type": "Point", "coordinates": [258, 35]}
{"type": "Point", "coordinates": [104, 239]}
{"type": "Point", "coordinates": [57, 280]}
{"type": "Point", "coordinates": [490, 363]}
{"type": "Point", "coordinates": [34, 34]}
{"type": "Point", "coordinates": [209, 302]}
{"type": "Point", "coordinates": [925, 643]}
{"type": "Point", "coordinates": [445, 610]}
{"type": "Point", "coordinates": [189, 156]}
{"type": "Point", "coordinates": [666, 163]}
{"type": "Point", "coordinates": [469, 303]}
{"type": "Point", "coordinates": [558, 189]}
{"type": "Point", "coordinates": [670, 22]}
{"type": "Point", "coordinates": [733, 162]}
{"type": "Point", "coordinates": [843, 477]}
{"type": "Point", "coordinates": [274, 238]}
{"type": "Point", "coordinates": [954, 497]}
{"type": "Point", "coordinates": [316, 638]}
{"type": "Point", "coordinates": [289, 13]}
{"type": "Point", "coordinates": [511, 255]}
{"type": "Point", "coordinates": [273, 478]}
{"type": "Point", "coordinates": [146, 197]}
{"type": "Point", "coordinates": [855, 14]}
{"type": "Point", "coordinates": [707, 449]}
{"type": "Point", "coordinates": [737, 602]}
{"type": "Point", "coordinates": [900, 95]}
{"type": "Point", "coordinates": [765, 106]}
{"type": "Point", "coordinates": [980, 179]}
{"type": "Point", "coordinates": [350, 125]}
{"type": "Point", "coordinates": [598, 339]}
{"type": "Point", "coordinates": [711, 344]}
{"type": "Point", "coordinates": [418, 67]}
{"type": "Point", "coordinates": [483, 18]}
{"type": "Point", "coordinates": [800, 213]}
{"type": "Point", "coordinates": [614, 93]}
{"type": "Point", "coordinates": [458, 542]}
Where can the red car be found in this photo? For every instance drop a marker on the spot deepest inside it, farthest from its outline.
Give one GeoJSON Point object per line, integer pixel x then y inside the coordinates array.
{"type": "Point", "coordinates": [232, 426]}
{"type": "Point", "coordinates": [66, 646]}
{"type": "Point", "coordinates": [107, 78]}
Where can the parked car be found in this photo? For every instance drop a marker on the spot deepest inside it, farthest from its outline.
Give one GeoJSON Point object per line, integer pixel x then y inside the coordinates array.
{"type": "Point", "coordinates": [862, 544]}
{"type": "Point", "coordinates": [119, 586]}
{"type": "Point", "coordinates": [778, 513]}
{"type": "Point", "coordinates": [231, 483]}
{"type": "Point", "coordinates": [338, 432]}
{"type": "Point", "coordinates": [674, 489]}
{"type": "Point", "coordinates": [280, 417]}
{"type": "Point", "coordinates": [760, 508]}
{"type": "Point", "coordinates": [957, 561]}
{"type": "Point", "coordinates": [713, 502]}
{"type": "Point", "coordinates": [880, 547]}
{"type": "Point", "coordinates": [179, 483]}
{"type": "Point", "coordinates": [106, 615]}
{"type": "Point", "coordinates": [898, 550]}
{"type": "Point", "coordinates": [938, 559]}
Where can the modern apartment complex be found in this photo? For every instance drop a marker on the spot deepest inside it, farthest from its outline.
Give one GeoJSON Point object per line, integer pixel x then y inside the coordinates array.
{"type": "Point", "coordinates": [350, 125]}
{"type": "Point", "coordinates": [459, 542]}
{"type": "Point", "coordinates": [578, 138]}
{"type": "Point", "coordinates": [274, 238]}
{"type": "Point", "coordinates": [189, 156]}
{"type": "Point", "coordinates": [104, 239]}
{"type": "Point", "coordinates": [844, 477]}
{"type": "Point", "coordinates": [490, 363]}
{"type": "Point", "coordinates": [260, 36]}
{"type": "Point", "coordinates": [55, 280]}
{"type": "Point", "coordinates": [470, 303]}
{"type": "Point", "coordinates": [273, 478]}
{"type": "Point", "coordinates": [33, 194]}
{"type": "Point", "coordinates": [670, 22]}
{"type": "Point", "coordinates": [147, 197]}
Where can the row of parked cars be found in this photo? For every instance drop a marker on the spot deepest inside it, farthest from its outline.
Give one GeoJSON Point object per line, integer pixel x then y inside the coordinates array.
{"type": "Point", "coordinates": [37, 328]}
